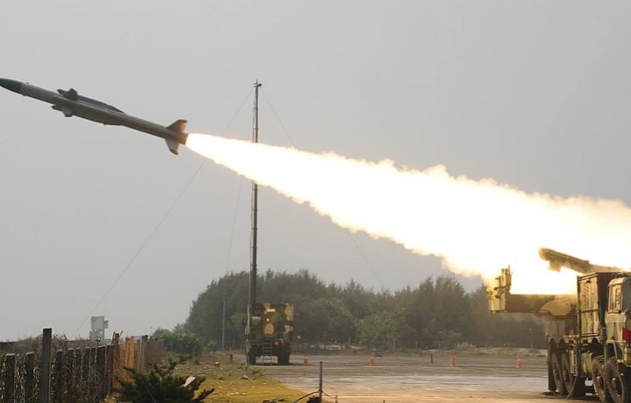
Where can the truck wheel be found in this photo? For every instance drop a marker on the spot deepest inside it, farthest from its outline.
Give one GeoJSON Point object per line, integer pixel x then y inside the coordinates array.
{"type": "Point", "coordinates": [283, 359]}
{"type": "Point", "coordinates": [568, 378]}
{"type": "Point", "coordinates": [579, 388]}
{"type": "Point", "coordinates": [598, 379]}
{"type": "Point", "coordinates": [617, 384]}
{"type": "Point", "coordinates": [250, 357]}
{"type": "Point", "coordinates": [557, 374]}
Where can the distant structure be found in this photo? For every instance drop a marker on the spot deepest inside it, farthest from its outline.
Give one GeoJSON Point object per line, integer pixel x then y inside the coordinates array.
{"type": "Point", "coordinates": [97, 329]}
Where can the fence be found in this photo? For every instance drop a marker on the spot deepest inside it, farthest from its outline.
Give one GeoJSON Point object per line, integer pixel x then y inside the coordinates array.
{"type": "Point", "coordinates": [73, 375]}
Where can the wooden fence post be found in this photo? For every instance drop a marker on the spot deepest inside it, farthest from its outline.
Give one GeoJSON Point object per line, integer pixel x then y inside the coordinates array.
{"type": "Point", "coordinates": [69, 374]}
{"type": "Point", "coordinates": [85, 369]}
{"type": "Point", "coordinates": [109, 369]}
{"type": "Point", "coordinates": [144, 341]}
{"type": "Point", "coordinates": [29, 377]}
{"type": "Point", "coordinates": [114, 356]}
{"type": "Point", "coordinates": [9, 380]}
{"type": "Point", "coordinates": [44, 380]}
{"type": "Point", "coordinates": [100, 369]}
{"type": "Point", "coordinates": [130, 352]}
{"type": "Point", "coordinates": [77, 367]}
{"type": "Point", "coordinates": [138, 355]}
{"type": "Point", "coordinates": [149, 352]}
{"type": "Point", "coordinates": [116, 361]}
{"type": "Point", "coordinates": [92, 358]}
{"type": "Point", "coordinates": [58, 376]}
{"type": "Point", "coordinates": [93, 374]}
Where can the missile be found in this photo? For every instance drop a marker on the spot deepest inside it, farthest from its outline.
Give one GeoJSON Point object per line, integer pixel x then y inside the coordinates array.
{"type": "Point", "coordinates": [70, 103]}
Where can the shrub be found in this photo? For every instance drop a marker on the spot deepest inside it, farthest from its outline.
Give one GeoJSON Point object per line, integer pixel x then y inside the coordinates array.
{"type": "Point", "coordinates": [160, 385]}
{"type": "Point", "coordinates": [180, 342]}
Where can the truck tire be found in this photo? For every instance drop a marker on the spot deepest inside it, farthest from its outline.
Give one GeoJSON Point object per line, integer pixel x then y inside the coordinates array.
{"type": "Point", "coordinates": [598, 379]}
{"type": "Point", "coordinates": [557, 374]}
{"type": "Point", "coordinates": [617, 384]}
{"type": "Point", "coordinates": [569, 380]}
{"type": "Point", "coordinates": [575, 385]}
{"type": "Point", "coordinates": [250, 357]}
{"type": "Point", "coordinates": [283, 358]}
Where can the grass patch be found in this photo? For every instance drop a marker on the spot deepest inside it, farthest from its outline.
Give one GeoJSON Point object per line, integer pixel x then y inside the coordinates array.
{"type": "Point", "coordinates": [233, 383]}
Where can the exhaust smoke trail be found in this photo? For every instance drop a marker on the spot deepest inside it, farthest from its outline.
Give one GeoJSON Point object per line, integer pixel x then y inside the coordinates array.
{"type": "Point", "coordinates": [475, 227]}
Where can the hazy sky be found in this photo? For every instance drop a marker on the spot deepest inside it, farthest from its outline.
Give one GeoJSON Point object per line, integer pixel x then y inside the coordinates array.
{"type": "Point", "coordinates": [532, 94]}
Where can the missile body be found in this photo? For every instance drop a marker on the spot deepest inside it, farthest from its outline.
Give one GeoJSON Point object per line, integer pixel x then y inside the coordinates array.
{"type": "Point", "coordinates": [70, 103]}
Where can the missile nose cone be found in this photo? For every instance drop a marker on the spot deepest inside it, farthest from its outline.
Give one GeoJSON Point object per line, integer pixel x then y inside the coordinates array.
{"type": "Point", "coordinates": [11, 85]}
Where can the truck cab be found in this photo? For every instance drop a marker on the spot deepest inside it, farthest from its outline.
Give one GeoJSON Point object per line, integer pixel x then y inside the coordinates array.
{"type": "Point", "coordinates": [618, 319]}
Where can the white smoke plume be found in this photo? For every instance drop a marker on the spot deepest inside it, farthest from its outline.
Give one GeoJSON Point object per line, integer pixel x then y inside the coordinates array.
{"type": "Point", "coordinates": [475, 227]}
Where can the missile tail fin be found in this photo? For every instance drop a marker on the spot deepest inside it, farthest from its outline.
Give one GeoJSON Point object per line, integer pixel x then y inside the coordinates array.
{"type": "Point", "coordinates": [173, 145]}
{"type": "Point", "coordinates": [178, 126]}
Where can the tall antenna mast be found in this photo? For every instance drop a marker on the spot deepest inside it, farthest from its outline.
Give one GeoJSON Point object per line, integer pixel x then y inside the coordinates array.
{"type": "Point", "coordinates": [255, 192]}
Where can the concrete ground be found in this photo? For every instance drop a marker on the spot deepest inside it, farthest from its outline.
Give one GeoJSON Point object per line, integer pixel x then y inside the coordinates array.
{"type": "Point", "coordinates": [475, 378]}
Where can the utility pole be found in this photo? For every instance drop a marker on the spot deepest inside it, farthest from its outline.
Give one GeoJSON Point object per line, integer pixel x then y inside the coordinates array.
{"type": "Point", "coordinates": [320, 385]}
{"type": "Point", "coordinates": [255, 191]}
{"type": "Point", "coordinates": [223, 322]}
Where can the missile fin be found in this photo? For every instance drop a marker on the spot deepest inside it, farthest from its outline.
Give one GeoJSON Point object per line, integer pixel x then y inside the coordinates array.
{"type": "Point", "coordinates": [173, 145]}
{"type": "Point", "coordinates": [71, 94]}
{"type": "Point", "coordinates": [68, 112]}
{"type": "Point", "coordinates": [179, 125]}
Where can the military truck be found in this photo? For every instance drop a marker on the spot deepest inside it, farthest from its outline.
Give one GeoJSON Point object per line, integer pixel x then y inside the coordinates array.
{"type": "Point", "coordinates": [269, 333]}
{"type": "Point", "coordinates": [588, 334]}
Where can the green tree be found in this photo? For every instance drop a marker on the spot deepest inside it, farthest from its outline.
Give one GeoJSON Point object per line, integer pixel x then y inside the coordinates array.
{"type": "Point", "coordinates": [297, 288]}
{"type": "Point", "coordinates": [362, 302]}
{"type": "Point", "coordinates": [452, 309]}
{"type": "Point", "coordinates": [377, 330]}
{"type": "Point", "coordinates": [325, 320]}
{"type": "Point", "coordinates": [439, 304]}
{"type": "Point", "coordinates": [409, 317]}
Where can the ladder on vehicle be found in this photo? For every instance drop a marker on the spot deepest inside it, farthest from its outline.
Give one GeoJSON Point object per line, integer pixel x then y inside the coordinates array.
{"type": "Point", "coordinates": [267, 352]}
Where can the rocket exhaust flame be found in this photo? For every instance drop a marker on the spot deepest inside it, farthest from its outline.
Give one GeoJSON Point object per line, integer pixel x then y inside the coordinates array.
{"type": "Point", "coordinates": [475, 227]}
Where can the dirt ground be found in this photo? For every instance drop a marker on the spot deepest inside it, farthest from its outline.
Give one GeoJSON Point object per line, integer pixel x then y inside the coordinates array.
{"type": "Point", "coordinates": [477, 377]}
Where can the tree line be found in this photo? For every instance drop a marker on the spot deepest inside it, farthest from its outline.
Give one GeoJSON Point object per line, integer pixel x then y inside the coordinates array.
{"type": "Point", "coordinates": [438, 313]}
